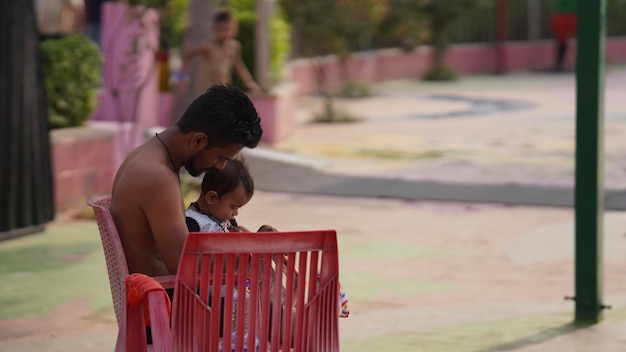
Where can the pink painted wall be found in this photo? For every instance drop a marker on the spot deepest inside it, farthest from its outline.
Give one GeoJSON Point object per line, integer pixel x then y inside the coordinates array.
{"type": "Point", "coordinates": [85, 159]}
{"type": "Point", "coordinates": [129, 44]}
{"type": "Point", "coordinates": [388, 64]}
{"type": "Point", "coordinates": [82, 163]}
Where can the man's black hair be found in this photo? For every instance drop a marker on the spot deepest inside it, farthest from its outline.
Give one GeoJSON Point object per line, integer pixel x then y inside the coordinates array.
{"type": "Point", "coordinates": [226, 115]}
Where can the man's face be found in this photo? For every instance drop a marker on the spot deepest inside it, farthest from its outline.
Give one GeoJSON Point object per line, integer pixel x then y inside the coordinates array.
{"type": "Point", "coordinates": [215, 157]}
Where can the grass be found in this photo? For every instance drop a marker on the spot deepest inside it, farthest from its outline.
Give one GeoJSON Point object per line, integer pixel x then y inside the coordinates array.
{"type": "Point", "coordinates": [43, 271]}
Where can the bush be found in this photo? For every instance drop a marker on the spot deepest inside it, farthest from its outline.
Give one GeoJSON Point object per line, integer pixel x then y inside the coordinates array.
{"type": "Point", "coordinates": [280, 38]}
{"type": "Point", "coordinates": [441, 74]}
{"type": "Point", "coordinates": [71, 70]}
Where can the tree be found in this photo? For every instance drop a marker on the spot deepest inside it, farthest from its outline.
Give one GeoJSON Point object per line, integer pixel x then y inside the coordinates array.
{"type": "Point", "coordinates": [198, 29]}
{"type": "Point", "coordinates": [26, 184]}
{"type": "Point", "coordinates": [442, 14]}
{"type": "Point", "coordinates": [333, 27]}
{"type": "Point", "coordinates": [404, 25]}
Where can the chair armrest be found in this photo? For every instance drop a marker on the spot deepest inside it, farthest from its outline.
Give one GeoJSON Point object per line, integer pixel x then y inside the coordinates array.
{"type": "Point", "coordinates": [159, 322]}
{"type": "Point", "coordinates": [167, 281]}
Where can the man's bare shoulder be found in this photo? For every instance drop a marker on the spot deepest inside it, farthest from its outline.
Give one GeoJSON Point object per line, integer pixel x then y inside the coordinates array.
{"type": "Point", "coordinates": [142, 172]}
{"type": "Point", "coordinates": [145, 176]}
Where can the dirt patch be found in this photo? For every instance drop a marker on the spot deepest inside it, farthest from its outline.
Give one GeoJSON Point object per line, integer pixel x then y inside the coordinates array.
{"type": "Point", "coordinates": [72, 318]}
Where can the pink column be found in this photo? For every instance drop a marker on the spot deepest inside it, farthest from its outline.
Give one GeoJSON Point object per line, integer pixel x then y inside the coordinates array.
{"type": "Point", "coordinates": [130, 39]}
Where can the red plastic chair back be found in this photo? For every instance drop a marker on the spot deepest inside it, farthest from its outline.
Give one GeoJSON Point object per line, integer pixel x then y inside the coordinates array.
{"type": "Point", "coordinates": [117, 268]}
{"type": "Point", "coordinates": [285, 283]}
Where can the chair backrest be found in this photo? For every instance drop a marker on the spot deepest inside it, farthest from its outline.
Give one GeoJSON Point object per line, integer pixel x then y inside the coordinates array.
{"type": "Point", "coordinates": [117, 267]}
{"type": "Point", "coordinates": [281, 287]}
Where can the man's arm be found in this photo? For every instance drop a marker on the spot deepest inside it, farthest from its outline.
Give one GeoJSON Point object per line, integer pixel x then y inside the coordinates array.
{"type": "Point", "coordinates": [164, 209]}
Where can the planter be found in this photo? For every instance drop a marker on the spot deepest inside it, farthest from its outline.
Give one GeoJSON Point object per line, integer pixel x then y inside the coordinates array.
{"type": "Point", "coordinates": [276, 112]}
{"type": "Point", "coordinates": [82, 163]}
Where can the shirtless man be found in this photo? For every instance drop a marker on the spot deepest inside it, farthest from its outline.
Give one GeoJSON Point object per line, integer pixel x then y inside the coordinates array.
{"type": "Point", "coordinates": [220, 56]}
{"type": "Point", "coordinates": [147, 202]}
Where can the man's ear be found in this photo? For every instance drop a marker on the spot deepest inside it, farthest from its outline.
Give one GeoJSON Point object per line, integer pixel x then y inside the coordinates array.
{"type": "Point", "coordinates": [199, 139]}
{"type": "Point", "coordinates": [211, 197]}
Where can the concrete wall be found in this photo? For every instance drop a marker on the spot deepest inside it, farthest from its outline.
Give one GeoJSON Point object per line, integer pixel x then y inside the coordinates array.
{"type": "Point", "coordinates": [82, 164]}
{"type": "Point", "coordinates": [381, 65]}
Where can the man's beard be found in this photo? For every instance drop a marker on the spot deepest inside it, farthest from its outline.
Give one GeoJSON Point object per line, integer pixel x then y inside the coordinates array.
{"type": "Point", "coordinates": [194, 172]}
{"type": "Point", "coordinates": [191, 170]}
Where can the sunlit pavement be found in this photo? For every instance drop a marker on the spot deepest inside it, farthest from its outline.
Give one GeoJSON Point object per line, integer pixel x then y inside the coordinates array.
{"type": "Point", "coordinates": [428, 275]}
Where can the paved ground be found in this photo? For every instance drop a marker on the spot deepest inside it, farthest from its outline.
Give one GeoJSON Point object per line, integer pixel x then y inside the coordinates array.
{"type": "Point", "coordinates": [451, 202]}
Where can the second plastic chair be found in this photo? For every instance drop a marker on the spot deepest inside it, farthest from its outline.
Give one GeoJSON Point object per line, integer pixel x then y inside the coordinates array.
{"type": "Point", "coordinates": [279, 290]}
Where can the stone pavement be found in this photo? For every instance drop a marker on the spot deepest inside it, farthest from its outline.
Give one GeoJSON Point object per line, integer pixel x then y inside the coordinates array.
{"type": "Point", "coordinates": [452, 205]}
{"type": "Point", "coordinates": [495, 139]}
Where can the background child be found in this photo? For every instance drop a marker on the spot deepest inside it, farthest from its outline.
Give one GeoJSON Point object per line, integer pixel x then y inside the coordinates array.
{"type": "Point", "coordinates": [220, 55]}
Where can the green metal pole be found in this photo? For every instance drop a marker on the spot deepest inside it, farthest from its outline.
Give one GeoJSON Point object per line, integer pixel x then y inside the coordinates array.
{"type": "Point", "coordinates": [589, 193]}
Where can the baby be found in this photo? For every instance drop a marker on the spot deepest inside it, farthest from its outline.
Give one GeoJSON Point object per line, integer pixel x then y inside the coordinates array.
{"type": "Point", "coordinates": [223, 193]}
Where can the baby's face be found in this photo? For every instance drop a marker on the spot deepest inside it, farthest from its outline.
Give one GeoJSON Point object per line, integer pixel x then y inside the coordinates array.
{"type": "Point", "coordinates": [227, 206]}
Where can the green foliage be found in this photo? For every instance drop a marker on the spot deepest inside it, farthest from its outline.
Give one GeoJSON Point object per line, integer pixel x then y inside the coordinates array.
{"type": "Point", "coordinates": [354, 90]}
{"type": "Point", "coordinates": [154, 4]}
{"type": "Point", "coordinates": [172, 23]}
{"type": "Point", "coordinates": [240, 5]}
{"type": "Point", "coordinates": [62, 265]}
{"type": "Point", "coordinates": [280, 45]}
{"type": "Point", "coordinates": [405, 25]}
{"type": "Point", "coordinates": [616, 17]}
{"type": "Point", "coordinates": [333, 114]}
{"type": "Point", "coordinates": [71, 69]}
{"type": "Point", "coordinates": [315, 24]}
{"type": "Point", "coordinates": [341, 27]}
{"type": "Point", "coordinates": [441, 73]}
{"type": "Point", "coordinates": [279, 38]}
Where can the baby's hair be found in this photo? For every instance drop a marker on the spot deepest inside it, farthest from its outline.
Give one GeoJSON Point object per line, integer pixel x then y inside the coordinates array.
{"type": "Point", "coordinates": [222, 15]}
{"type": "Point", "coordinates": [228, 179]}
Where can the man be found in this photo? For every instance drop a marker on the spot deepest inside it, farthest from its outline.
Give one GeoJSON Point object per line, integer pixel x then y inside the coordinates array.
{"type": "Point", "coordinates": [147, 202]}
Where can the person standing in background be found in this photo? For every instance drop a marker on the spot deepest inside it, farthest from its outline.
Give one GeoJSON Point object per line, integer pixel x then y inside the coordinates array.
{"type": "Point", "coordinates": [93, 16]}
{"type": "Point", "coordinates": [563, 23]}
{"type": "Point", "coordinates": [59, 18]}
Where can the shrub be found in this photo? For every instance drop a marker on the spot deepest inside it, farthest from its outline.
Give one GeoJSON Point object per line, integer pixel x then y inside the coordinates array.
{"type": "Point", "coordinates": [279, 37]}
{"type": "Point", "coordinates": [71, 69]}
{"type": "Point", "coordinates": [443, 73]}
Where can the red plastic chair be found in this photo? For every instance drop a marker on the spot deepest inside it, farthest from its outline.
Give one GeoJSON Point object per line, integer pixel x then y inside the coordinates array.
{"type": "Point", "coordinates": [117, 269]}
{"type": "Point", "coordinates": [290, 282]}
